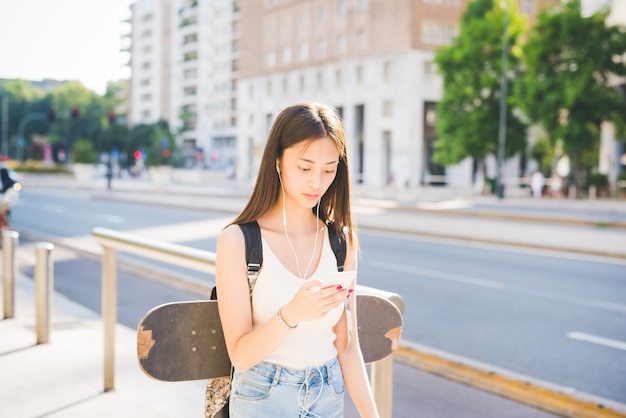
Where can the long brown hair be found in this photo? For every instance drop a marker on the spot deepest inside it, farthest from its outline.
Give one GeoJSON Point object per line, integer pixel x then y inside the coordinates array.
{"type": "Point", "coordinates": [294, 124]}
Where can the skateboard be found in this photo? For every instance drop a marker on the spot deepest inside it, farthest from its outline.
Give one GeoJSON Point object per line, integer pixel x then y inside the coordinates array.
{"type": "Point", "coordinates": [183, 341]}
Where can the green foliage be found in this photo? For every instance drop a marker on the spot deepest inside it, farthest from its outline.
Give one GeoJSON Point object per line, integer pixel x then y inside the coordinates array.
{"type": "Point", "coordinates": [83, 152]}
{"type": "Point", "coordinates": [471, 67]}
{"type": "Point", "coordinates": [157, 141]}
{"type": "Point", "coordinates": [598, 180]}
{"type": "Point", "coordinates": [543, 153]}
{"type": "Point", "coordinates": [569, 60]}
{"type": "Point", "coordinates": [32, 166]}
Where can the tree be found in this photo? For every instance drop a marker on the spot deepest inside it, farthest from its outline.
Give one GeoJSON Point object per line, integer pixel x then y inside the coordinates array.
{"type": "Point", "coordinates": [468, 113]}
{"type": "Point", "coordinates": [156, 140]}
{"type": "Point", "coordinates": [569, 60]}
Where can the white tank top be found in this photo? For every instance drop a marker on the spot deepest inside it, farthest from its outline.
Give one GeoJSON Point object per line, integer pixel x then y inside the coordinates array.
{"type": "Point", "coordinates": [311, 343]}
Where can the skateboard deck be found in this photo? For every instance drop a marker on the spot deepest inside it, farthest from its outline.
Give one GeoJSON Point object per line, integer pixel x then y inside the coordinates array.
{"type": "Point", "coordinates": [183, 341]}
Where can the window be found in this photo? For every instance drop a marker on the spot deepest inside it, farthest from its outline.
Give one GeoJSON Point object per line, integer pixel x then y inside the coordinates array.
{"type": "Point", "coordinates": [430, 68]}
{"type": "Point", "coordinates": [190, 74]}
{"type": "Point", "coordinates": [361, 4]}
{"type": "Point", "coordinates": [304, 51]}
{"type": "Point", "coordinates": [147, 17]}
{"type": "Point", "coordinates": [190, 91]}
{"type": "Point", "coordinates": [146, 65]}
{"type": "Point", "coordinates": [145, 82]}
{"type": "Point", "coordinates": [147, 49]}
{"type": "Point", "coordinates": [387, 108]}
{"type": "Point", "coordinates": [271, 58]}
{"type": "Point", "coordinates": [359, 74]}
{"type": "Point", "coordinates": [341, 7]}
{"type": "Point", "coordinates": [286, 55]}
{"type": "Point", "coordinates": [304, 19]}
{"type": "Point", "coordinates": [438, 33]}
{"type": "Point", "coordinates": [321, 47]}
{"type": "Point", "coordinates": [321, 13]}
{"type": "Point", "coordinates": [448, 3]}
{"type": "Point", "coordinates": [302, 83]}
{"type": "Point", "coordinates": [388, 71]}
{"type": "Point", "coordinates": [319, 80]}
{"type": "Point", "coordinates": [341, 44]}
{"type": "Point", "coordinates": [338, 77]}
{"type": "Point", "coordinates": [191, 56]}
{"type": "Point", "coordinates": [191, 38]}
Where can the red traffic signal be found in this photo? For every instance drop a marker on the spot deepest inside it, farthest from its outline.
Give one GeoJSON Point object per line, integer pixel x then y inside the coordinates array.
{"type": "Point", "coordinates": [51, 114]}
{"type": "Point", "coordinates": [112, 117]}
{"type": "Point", "coordinates": [137, 155]}
{"type": "Point", "coordinates": [75, 112]}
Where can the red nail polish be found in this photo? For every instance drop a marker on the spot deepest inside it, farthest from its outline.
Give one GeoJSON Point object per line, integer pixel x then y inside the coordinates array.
{"type": "Point", "coordinates": [350, 290]}
{"type": "Point", "coordinates": [339, 287]}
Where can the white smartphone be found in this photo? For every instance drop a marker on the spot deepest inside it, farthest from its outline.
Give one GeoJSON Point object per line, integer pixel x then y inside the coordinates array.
{"type": "Point", "coordinates": [343, 278]}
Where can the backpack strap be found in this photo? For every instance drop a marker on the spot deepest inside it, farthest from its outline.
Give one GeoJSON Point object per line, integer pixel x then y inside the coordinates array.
{"type": "Point", "coordinates": [254, 254]}
{"type": "Point", "coordinates": [254, 251]}
{"type": "Point", "coordinates": [338, 244]}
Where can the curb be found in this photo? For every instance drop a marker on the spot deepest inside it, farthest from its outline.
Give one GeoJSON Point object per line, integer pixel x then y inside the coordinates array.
{"type": "Point", "coordinates": [522, 391]}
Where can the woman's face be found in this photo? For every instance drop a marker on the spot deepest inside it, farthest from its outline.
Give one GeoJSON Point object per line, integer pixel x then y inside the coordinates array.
{"type": "Point", "coordinates": [308, 169]}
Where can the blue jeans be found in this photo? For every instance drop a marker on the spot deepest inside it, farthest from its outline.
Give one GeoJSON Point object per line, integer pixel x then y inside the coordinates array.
{"type": "Point", "coordinates": [268, 390]}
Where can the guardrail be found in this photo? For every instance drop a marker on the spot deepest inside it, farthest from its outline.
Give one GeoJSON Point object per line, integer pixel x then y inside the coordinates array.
{"type": "Point", "coordinates": [112, 241]}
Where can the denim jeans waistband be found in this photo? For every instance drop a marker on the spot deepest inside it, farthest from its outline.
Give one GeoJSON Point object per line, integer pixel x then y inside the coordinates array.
{"type": "Point", "coordinates": [297, 376]}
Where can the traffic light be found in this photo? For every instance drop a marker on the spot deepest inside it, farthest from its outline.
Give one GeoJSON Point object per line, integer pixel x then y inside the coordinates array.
{"type": "Point", "coordinates": [137, 155]}
{"type": "Point", "coordinates": [75, 113]}
{"type": "Point", "coordinates": [51, 114]}
{"type": "Point", "coordinates": [112, 117]}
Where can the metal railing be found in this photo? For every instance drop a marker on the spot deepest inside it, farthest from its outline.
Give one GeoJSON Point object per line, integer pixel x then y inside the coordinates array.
{"type": "Point", "coordinates": [44, 282]}
{"type": "Point", "coordinates": [112, 241]}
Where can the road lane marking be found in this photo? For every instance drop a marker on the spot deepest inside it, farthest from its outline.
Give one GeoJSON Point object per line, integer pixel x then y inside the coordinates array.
{"type": "Point", "coordinates": [442, 276]}
{"type": "Point", "coordinates": [54, 208]}
{"type": "Point", "coordinates": [594, 339]}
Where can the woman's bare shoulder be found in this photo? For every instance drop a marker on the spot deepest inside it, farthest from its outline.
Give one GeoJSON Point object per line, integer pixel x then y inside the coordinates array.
{"type": "Point", "coordinates": [231, 236]}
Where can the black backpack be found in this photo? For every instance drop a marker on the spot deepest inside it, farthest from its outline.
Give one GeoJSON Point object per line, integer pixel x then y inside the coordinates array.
{"type": "Point", "coordinates": [254, 251]}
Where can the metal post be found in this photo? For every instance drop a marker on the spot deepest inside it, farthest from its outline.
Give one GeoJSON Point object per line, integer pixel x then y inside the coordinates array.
{"type": "Point", "coordinates": [381, 380]}
{"type": "Point", "coordinates": [5, 125]}
{"type": "Point", "coordinates": [503, 97]}
{"type": "Point", "coordinates": [109, 314]}
{"type": "Point", "coordinates": [9, 271]}
{"type": "Point", "coordinates": [44, 285]}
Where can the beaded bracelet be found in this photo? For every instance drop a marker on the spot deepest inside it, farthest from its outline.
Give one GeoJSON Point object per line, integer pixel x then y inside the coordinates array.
{"type": "Point", "coordinates": [282, 321]}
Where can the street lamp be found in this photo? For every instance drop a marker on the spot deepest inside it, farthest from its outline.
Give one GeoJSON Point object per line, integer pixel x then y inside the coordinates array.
{"type": "Point", "coordinates": [503, 96]}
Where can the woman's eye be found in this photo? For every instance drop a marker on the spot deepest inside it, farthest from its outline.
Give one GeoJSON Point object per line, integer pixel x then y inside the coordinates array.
{"type": "Point", "coordinates": [305, 169]}
{"type": "Point", "coordinates": [330, 171]}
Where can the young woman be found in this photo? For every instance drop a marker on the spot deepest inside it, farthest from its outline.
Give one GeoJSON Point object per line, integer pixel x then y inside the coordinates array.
{"type": "Point", "coordinates": [289, 341]}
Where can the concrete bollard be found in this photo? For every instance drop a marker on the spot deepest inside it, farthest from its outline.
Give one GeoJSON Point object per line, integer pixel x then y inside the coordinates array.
{"type": "Point", "coordinates": [44, 285]}
{"type": "Point", "coordinates": [9, 271]}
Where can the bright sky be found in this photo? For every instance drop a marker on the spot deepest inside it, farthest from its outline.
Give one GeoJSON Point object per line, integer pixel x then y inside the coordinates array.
{"type": "Point", "coordinates": [64, 40]}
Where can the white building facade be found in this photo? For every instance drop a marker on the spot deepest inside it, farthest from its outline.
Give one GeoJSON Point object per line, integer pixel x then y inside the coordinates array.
{"type": "Point", "coordinates": [373, 61]}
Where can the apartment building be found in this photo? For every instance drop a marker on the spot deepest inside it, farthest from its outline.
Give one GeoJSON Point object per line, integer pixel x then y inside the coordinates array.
{"type": "Point", "coordinates": [150, 62]}
{"type": "Point", "coordinates": [182, 71]}
{"type": "Point", "coordinates": [372, 60]}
